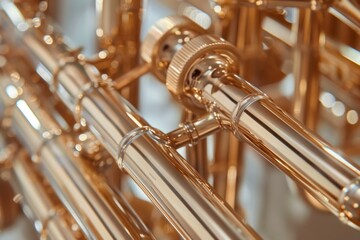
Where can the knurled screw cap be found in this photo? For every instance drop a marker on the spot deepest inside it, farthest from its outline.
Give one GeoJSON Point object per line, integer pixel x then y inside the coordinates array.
{"type": "Point", "coordinates": [184, 60]}
{"type": "Point", "coordinates": [160, 32]}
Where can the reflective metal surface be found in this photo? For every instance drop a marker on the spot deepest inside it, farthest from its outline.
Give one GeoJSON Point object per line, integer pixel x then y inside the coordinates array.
{"type": "Point", "coordinates": [114, 156]}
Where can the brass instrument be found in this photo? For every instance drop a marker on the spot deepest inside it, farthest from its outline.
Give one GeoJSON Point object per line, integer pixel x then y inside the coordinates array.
{"type": "Point", "coordinates": [252, 82]}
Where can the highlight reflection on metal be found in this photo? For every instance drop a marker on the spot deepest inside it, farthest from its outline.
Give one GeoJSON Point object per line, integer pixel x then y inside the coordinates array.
{"type": "Point", "coordinates": [86, 141]}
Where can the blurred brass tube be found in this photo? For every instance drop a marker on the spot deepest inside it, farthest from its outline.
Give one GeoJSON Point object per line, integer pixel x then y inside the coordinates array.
{"type": "Point", "coordinates": [119, 24]}
{"type": "Point", "coordinates": [311, 4]}
{"type": "Point", "coordinates": [158, 169]}
{"type": "Point", "coordinates": [331, 54]}
{"type": "Point", "coordinates": [306, 67]}
{"type": "Point", "coordinates": [280, 33]}
{"type": "Point", "coordinates": [35, 196]}
{"type": "Point", "coordinates": [131, 76]}
{"type": "Point", "coordinates": [99, 212]}
{"type": "Point", "coordinates": [348, 11]}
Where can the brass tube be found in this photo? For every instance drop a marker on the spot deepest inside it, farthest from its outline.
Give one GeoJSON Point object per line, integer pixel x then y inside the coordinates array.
{"type": "Point", "coordinates": [131, 76]}
{"type": "Point", "coordinates": [196, 153]}
{"type": "Point", "coordinates": [301, 155]}
{"type": "Point", "coordinates": [311, 4]}
{"type": "Point", "coordinates": [181, 194]}
{"type": "Point", "coordinates": [192, 132]}
{"type": "Point", "coordinates": [306, 67]}
{"type": "Point", "coordinates": [347, 11]}
{"type": "Point", "coordinates": [331, 54]}
{"type": "Point", "coordinates": [35, 196]}
{"type": "Point", "coordinates": [118, 30]}
{"type": "Point", "coordinates": [99, 212]}
{"type": "Point", "coordinates": [330, 177]}
{"type": "Point", "coordinates": [308, 29]}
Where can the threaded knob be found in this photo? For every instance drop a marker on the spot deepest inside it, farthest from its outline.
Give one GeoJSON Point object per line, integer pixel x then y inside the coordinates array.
{"type": "Point", "coordinates": [164, 39]}
{"type": "Point", "coordinates": [179, 75]}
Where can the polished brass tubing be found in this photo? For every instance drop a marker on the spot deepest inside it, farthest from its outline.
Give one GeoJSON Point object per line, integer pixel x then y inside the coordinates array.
{"type": "Point", "coordinates": [193, 131]}
{"type": "Point", "coordinates": [35, 196]}
{"type": "Point", "coordinates": [348, 11]}
{"type": "Point", "coordinates": [308, 30]}
{"type": "Point", "coordinates": [131, 76]}
{"type": "Point", "coordinates": [118, 31]}
{"type": "Point", "coordinates": [306, 67]}
{"type": "Point", "coordinates": [251, 115]}
{"type": "Point", "coordinates": [234, 167]}
{"type": "Point", "coordinates": [311, 4]}
{"type": "Point", "coordinates": [181, 194]}
{"type": "Point", "coordinates": [289, 146]}
{"type": "Point", "coordinates": [99, 212]}
{"type": "Point", "coordinates": [280, 31]}
{"type": "Point", "coordinates": [331, 54]}
{"type": "Point", "coordinates": [196, 154]}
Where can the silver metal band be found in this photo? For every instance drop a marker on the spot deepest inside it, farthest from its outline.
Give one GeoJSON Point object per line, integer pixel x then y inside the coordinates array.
{"type": "Point", "coordinates": [84, 91]}
{"type": "Point", "coordinates": [63, 62]}
{"type": "Point", "coordinates": [47, 136]}
{"type": "Point", "coordinates": [130, 137]}
{"type": "Point", "coordinates": [241, 107]}
{"type": "Point", "coordinates": [191, 132]}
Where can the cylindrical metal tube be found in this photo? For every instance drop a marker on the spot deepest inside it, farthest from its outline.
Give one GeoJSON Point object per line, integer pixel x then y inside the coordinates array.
{"type": "Point", "coordinates": [191, 132]}
{"type": "Point", "coordinates": [35, 196]}
{"type": "Point", "coordinates": [311, 4]}
{"type": "Point", "coordinates": [286, 144]}
{"type": "Point", "coordinates": [306, 67]}
{"type": "Point", "coordinates": [180, 193]}
{"type": "Point", "coordinates": [251, 115]}
{"type": "Point", "coordinates": [99, 212]}
{"type": "Point", "coordinates": [348, 12]}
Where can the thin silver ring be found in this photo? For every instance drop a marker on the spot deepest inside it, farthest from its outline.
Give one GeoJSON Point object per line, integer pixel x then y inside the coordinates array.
{"type": "Point", "coordinates": [131, 136]}
{"type": "Point", "coordinates": [241, 107]}
{"type": "Point", "coordinates": [52, 134]}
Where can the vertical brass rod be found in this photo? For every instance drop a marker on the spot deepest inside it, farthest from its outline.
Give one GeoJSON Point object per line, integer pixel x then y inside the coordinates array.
{"type": "Point", "coordinates": [196, 154]}
{"type": "Point", "coordinates": [131, 76]}
{"type": "Point", "coordinates": [306, 67]}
